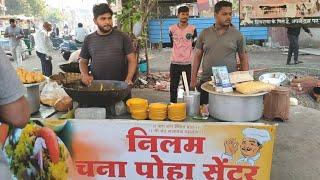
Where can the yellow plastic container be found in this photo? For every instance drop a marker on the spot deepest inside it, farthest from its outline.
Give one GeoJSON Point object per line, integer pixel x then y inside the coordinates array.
{"type": "Point", "coordinates": [137, 104]}
{"type": "Point", "coordinates": [158, 111]}
{"type": "Point", "coordinates": [139, 115]}
{"type": "Point", "coordinates": [177, 111]}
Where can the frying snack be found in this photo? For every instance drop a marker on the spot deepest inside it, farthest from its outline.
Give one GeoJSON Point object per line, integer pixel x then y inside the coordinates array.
{"type": "Point", "coordinates": [28, 77]}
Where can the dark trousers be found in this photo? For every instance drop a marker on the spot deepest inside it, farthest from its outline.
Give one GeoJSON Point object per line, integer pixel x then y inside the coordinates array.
{"type": "Point", "coordinates": [46, 65]}
{"type": "Point", "coordinates": [175, 73]}
{"type": "Point", "coordinates": [293, 48]}
{"type": "Point", "coordinates": [204, 95]}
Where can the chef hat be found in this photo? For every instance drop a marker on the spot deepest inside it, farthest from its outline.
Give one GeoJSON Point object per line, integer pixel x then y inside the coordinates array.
{"type": "Point", "coordinates": [261, 135]}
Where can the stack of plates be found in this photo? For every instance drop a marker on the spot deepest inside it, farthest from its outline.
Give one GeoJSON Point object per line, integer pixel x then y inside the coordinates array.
{"type": "Point", "coordinates": [138, 108]}
{"type": "Point", "coordinates": [158, 111]}
{"type": "Point", "coordinates": [177, 111]}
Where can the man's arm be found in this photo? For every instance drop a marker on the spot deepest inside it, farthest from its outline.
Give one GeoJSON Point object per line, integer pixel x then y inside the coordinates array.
{"type": "Point", "coordinates": [84, 57]}
{"type": "Point", "coordinates": [242, 53]}
{"type": "Point", "coordinates": [86, 78]}
{"type": "Point", "coordinates": [244, 62]}
{"type": "Point", "coordinates": [171, 39]}
{"type": "Point", "coordinates": [307, 30]}
{"type": "Point", "coordinates": [21, 34]}
{"type": "Point", "coordinates": [16, 113]}
{"type": "Point", "coordinates": [83, 66]}
{"type": "Point", "coordinates": [131, 58]}
{"type": "Point", "coordinates": [194, 37]}
{"type": "Point", "coordinates": [49, 45]}
{"type": "Point", "coordinates": [195, 67]}
{"type": "Point", "coordinates": [132, 67]}
{"type": "Point", "coordinates": [197, 60]}
{"type": "Point", "coordinates": [14, 108]}
{"type": "Point", "coordinates": [6, 33]}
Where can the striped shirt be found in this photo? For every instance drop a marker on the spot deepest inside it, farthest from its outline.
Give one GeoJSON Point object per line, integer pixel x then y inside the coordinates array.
{"type": "Point", "coordinates": [108, 54]}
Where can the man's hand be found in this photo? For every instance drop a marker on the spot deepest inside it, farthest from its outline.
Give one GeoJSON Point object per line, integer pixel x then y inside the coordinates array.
{"type": "Point", "coordinates": [193, 83]}
{"type": "Point", "coordinates": [231, 146]}
{"type": "Point", "coordinates": [20, 36]}
{"type": "Point", "coordinates": [86, 79]}
{"type": "Point", "coordinates": [129, 82]}
{"type": "Point", "coordinates": [8, 35]}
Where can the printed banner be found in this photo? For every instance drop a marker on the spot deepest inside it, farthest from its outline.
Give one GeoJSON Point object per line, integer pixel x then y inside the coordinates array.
{"type": "Point", "coordinates": [279, 13]}
{"type": "Point", "coordinates": [121, 149]}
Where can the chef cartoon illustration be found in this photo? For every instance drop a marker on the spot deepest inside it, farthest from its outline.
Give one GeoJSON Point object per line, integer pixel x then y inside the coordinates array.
{"type": "Point", "coordinates": [249, 147]}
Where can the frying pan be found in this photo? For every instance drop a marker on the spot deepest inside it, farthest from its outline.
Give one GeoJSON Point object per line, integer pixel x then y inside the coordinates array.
{"type": "Point", "coordinates": [101, 93]}
{"type": "Point", "coordinates": [72, 67]}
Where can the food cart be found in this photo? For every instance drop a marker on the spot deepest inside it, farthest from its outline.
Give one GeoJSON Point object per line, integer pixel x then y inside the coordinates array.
{"type": "Point", "coordinates": [123, 148]}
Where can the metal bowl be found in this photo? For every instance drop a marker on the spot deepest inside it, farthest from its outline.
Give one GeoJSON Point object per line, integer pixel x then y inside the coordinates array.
{"type": "Point", "coordinates": [101, 93]}
{"type": "Point", "coordinates": [275, 78]}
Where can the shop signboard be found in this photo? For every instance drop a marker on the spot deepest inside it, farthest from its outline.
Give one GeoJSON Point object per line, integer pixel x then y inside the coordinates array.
{"type": "Point", "coordinates": [166, 150]}
{"type": "Point", "coordinates": [279, 13]}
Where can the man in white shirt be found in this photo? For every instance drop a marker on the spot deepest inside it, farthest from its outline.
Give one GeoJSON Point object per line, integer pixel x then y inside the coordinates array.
{"type": "Point", "coordinates": [44, 48]}
{"type": "Point", "coordinates": [15, 34]}
{"type": "Point", "coordinates": [80, 33]}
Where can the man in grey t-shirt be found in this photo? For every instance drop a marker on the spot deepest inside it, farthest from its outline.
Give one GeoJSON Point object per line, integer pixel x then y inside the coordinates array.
{"type": "Point", "coordinates": [15, 34]}
{"type": "Point", "coordinates": [14, 108]}
{"type": "Point", "coordinates": [110, 51]}
{"type": "Point", "coordinates": [218, 45]}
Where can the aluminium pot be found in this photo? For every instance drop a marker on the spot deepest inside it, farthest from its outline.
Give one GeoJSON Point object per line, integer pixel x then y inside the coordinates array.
{"type": "Point", "coordinates": [234, 107]}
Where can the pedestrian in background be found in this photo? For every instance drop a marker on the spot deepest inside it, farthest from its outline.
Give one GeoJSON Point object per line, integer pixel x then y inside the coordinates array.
{"type": "Point", "coordinates": [44, 48]}
{"type": "Point", "coordinates": [293, 36]}
{"type": "Point", "coordinates": [15, 34]}
{"type": "Point", "coordinates": [80, 33]}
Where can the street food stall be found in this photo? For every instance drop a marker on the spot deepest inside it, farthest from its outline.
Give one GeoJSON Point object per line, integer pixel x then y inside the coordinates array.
{"type": "Point", "coordinates": [150, 141]}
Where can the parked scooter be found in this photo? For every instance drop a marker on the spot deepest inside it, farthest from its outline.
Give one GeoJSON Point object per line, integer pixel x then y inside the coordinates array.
{"type": "Point", "coordinates": [68, 45]}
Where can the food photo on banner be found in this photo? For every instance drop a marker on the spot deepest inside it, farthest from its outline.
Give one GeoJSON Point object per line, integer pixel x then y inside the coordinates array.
{"type": "Point", "coordinates": [36, 152]}
{"type": "Point", "coordinates": [279, 13]}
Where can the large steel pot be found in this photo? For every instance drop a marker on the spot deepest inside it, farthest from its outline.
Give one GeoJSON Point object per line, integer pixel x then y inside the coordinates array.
{"type": "Point", "coordinates": [234, 107]}
{"type": "Point", "coordinates": [33, 96]}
